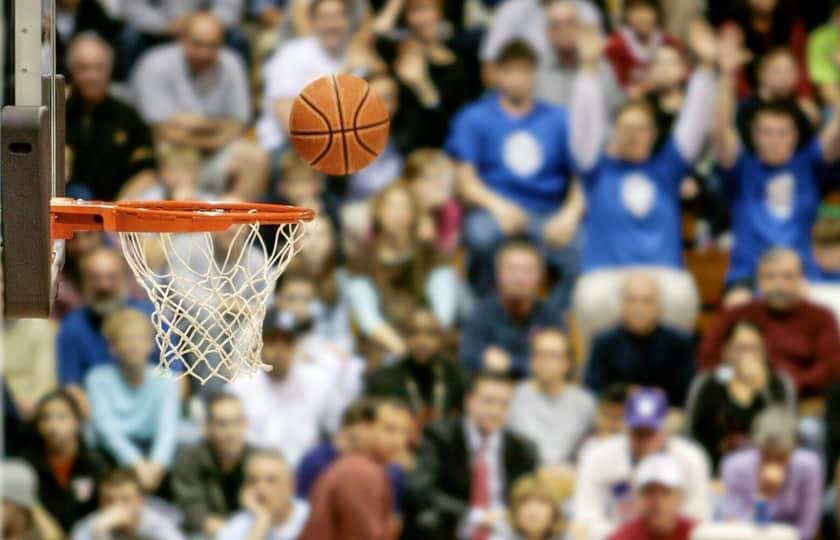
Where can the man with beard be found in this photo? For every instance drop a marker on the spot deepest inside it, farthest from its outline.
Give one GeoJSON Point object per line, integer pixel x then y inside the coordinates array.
{"type": "Point", "coordinates": [802, 338]}
{"type": "Point", "coordinates": [80, 342]}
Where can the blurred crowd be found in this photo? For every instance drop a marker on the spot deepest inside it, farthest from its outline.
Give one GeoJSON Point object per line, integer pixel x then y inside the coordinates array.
{"type": "Point", "coordinates": [589, 289]}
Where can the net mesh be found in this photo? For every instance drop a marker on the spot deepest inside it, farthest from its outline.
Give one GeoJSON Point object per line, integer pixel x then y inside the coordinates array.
{"type": "Point", "coordinates": [210, 292]}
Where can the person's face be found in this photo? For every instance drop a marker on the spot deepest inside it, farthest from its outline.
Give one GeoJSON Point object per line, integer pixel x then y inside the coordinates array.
{"type": "Point", "coordinates": [763, 7]}
{"type": "Point", "coordinates": [563, 26]}
{"type": "Point", "coordinates": [226, 428]}
{"type": "Point", "coordinates": [126, 495]}
{"type": "Point", "coordinates": [391, 432]}
{"type": "Point", "coordinates": [133, 344]}
{"type": "Point", "coordinates": [659, 508]}
{"type": "Point", "coordinates": [297, 297]}
{"type": "Point", "coordinates": [386, 89]}
{"type": "Point", "coordinates": [432, 188]}
{"type": "Point", "coordinates": [82, 243]}
{"type": "Point", "coordinates": [423, 19]}
{"type": "Point", "coordinates": [57, 424]}
{"type": "Point", "coordinates": [331, 25]}
{"type": "Point", "coordinates": [635, 134]}
{"type": "Point", "coordinates": [534, 517]}
{"type": "Point", "coordinates": [423, 337]}
{"type": "Point", "coordinates": [642, 20]}
{"type": "Point", "coordinates": [488, 403]}
{"type": "Point", "coordinates": [780, 282]}
{"type": "Point", "coordinates": [396, 213]}
{"type": "Point", "coordinates": [646, 441]}
{"type": "Point", "coordinates": [669, 68]}
{"type": "Point", "coordinates": [202, 43]}
{"type": "Point", "coordinates": [301, 186]}
{"type": "Point", "coordinates": [271, 482]}
{"type": "Point", "coordinates": [277, 353]}
{"type": "Point", "coordinates": [180, 177]}
{"type": "Point", "coordinates": [640, 308]}
{"type": "Point", "coordinates": [610, 420]}
{"type": "Point", "coordinates": [515, 80]}
{"type": "Point", "coordinates": [519, 274]}
{"type": "Point", "coordinates": [103, 282]}
{"type": "Point", "coordinates": [550, 359]}
{"type": "Point", "coordinates": [745, 353]}
{"type": "Point", "coordinates": [90, 68]}
{"type": "Point", "coordinates": [320, 243]}
{"type": "Point", "coordinates": [774, 137]}
{"type": "Point", "coordinates": [359, 436]}
{"type": "Point", "coordinates": [828, 256]}
{"type": "Point", "coordinates": [778, 77]}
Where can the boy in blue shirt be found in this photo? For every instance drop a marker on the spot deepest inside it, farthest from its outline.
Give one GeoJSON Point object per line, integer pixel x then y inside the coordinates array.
{"type": "Point", "coordinates": [514, 171]}
{"type": "Point", "coordinates": [775, 190]}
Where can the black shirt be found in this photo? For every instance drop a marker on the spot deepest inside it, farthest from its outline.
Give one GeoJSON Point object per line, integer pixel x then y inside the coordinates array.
{"type": "Point", "coordinates": [109, 143]}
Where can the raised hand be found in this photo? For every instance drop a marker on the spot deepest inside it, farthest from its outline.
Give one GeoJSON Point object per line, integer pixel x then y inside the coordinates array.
{"type": "Point", "coordinates": [703, 42]}
{"type": "Point", "coordinates": [590, 47]}
{"type": "Point", "coordinates": [732, 55]}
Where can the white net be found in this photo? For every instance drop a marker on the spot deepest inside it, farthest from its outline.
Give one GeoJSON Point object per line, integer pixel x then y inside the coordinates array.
{"type": "Point", "coordinates": [210, 293]}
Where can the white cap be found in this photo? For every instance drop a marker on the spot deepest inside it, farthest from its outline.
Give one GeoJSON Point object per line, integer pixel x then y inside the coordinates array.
{"type": "Point", "coordinates": [659, 469]}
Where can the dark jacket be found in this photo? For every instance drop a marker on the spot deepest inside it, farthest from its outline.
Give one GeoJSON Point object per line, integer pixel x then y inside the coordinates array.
{"type": "Point", "coordinates": [68, 504]}
{"type": "Point", "coordinates": [198, 483]}
{"type": "Point", "coordinates": [439, 487]}
{"type": "Point", "coordinates": [433, 391]}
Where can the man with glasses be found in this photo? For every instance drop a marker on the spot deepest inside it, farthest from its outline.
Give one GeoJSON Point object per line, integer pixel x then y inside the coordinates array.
{"type": "Point", "coordinates": [208, 476]}
{"type": "Point", "coordinates": [430, 383]}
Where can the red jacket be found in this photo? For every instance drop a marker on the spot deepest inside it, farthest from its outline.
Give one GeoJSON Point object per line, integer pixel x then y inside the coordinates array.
{"type": "Point", "coordinates": [636, 530]}
{"type": "Point", "coordinates": [627, 57]}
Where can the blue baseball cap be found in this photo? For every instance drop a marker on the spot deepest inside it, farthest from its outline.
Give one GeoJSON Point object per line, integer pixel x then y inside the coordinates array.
{"type": "Point", "coordinates": [646, 408]}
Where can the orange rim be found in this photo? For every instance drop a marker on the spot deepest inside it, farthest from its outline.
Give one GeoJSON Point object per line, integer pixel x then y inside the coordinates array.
{"type": "Point", "coordinates": [71, 215]}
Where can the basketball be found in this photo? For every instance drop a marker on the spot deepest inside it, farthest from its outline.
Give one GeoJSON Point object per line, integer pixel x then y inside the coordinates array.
{"type": "Point", "coordinates": [338, 124]}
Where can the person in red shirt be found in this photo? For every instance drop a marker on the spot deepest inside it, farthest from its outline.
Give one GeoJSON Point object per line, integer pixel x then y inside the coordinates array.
{"type": "Point", "coordinates": [802, 338]}
{"type": "Point", "coordinates": [658, 484]}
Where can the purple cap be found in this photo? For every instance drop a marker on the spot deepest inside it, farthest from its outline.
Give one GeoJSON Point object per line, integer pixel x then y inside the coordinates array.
{"type": "Point", "coordinates": [646, 408]}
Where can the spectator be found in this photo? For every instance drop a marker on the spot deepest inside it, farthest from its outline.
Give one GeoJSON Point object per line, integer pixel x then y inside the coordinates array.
{"type": "Point", "coordinates": [724, 403]}
{"type": "Point", "coordinates": [195, 93]}
{"type": "Point", "coordinates": [397, 272]}
{"type": "Point", "coordinates": [467, 465]}
{"type": "Point", "coordinates": [802, 338]}
{"type": "Point", "coordinates": [69, 296]}
{"type": "Point", "coordinates": [496, 335]}
{"type": "Point", "coordinates": [78, 17]}
{"type": "Point", "coordinates": [823, 66]}
{"type": "Point", "coordinates": [668, 75]}
{"type": "Point", "coordinates": [179, 168]}
{"type": "Point", "coordinates": [548, 409]}
{"type": "Point", "coordinates": [80, 343]}
{"type": "Point", "coordinates": [774, 191]}
{"type": "Point", "coordinates": [632, 48]}
{"type": "Point", "coordinates": [658, 485]}
{"type": "Point", "coordinates": [611, 403]}
{"type": "Point", "coordinates": [207, 476]}
{"type": "Point", "coordinates": [514, 171]}
{"type": "Point", "coordinates": [287, 407]}
{"type": "Point", "coordinates": [270, 510]}
{"type": "Point", "coordinates": [825, 237]}
{"type": "Point", "coordinates": [641, 350]}
{"type": "Point", "coordinates": [112, 147]}
{"type": "Point", "coordinates": [633, 191]}
{"type": "Point", "coordinates": [535, 511]}
{"type": "Point", "coordinates": [68, 472]}
{"type": "Point", "coordinates": [23, 518]}
{"type": "Point", "coordinates": [603, 492]}
{"type": "Point", "coordinates": [134, 410]}
{"type": "Point", "coordinates": [431, 384]}
{"type": "Point", "coordinates": [29, 368]}
{"type": "Point", "coordinates": [775, 482]}
{"type": "Point", "coordinates": [123, 512]}
{"type": "Point", "coordinates": [777, 78]}
{"type": "Point", "coordinates": [555, 79]}
{"type": "Point", "coordinates": [353, 498]}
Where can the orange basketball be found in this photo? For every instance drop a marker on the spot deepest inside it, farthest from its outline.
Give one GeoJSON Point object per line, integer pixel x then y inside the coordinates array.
{"type": "Point", "coordinates": [338, 124]}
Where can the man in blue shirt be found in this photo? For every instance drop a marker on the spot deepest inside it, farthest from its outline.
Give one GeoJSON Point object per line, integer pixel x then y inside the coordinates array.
{"type": "Point", "coordinates": [514, 171]}
{"type": "Point", "coordinates": [80, 343]}
{"type": "Point", "coordinates": [775, 190]}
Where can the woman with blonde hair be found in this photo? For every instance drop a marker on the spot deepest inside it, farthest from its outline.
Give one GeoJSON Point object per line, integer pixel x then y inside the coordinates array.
{"type": "Point", "coordinates": [535, 510]}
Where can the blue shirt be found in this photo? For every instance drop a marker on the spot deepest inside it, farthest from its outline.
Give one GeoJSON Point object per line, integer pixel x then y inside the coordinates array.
{"type": "Point", "coordinates": [129, 420]}
{"type": "Point", "coordinates": [81, 345]}
{"type": "Point", "coordinates": [633, 211]}
{"type": "Point", "coordinates": [524, 159]}
{"type": "Point", "coordinates": [773, 206]}
{"type": "Point", "coordinates": [318, 460]}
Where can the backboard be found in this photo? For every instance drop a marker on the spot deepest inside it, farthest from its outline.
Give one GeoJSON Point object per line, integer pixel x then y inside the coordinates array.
{"type": "Point", "coordinates": [31, 157]}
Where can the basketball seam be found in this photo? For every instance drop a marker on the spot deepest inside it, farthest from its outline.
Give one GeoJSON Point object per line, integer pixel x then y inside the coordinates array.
{"type": "Point", "coordinates": [340, 122]}
{"type": "Point", "coordinates": [356, 122]}
{"type": "Point", "coordinates": [338, 131]}
{"type": "Point", "coordinates": [326, 123]}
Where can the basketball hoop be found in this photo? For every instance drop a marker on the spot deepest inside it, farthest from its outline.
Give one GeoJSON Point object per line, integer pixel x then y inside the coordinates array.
{"type": "Point", "coordinates": [208, 268]}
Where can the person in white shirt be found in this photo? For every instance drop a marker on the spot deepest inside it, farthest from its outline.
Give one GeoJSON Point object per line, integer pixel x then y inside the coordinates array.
{"type": "Point", "coordinates": [270, 510]}
{"type": "Point", "coordinates": [603, 492]}
{"type": "Point", "coordinates": [288, 406]}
